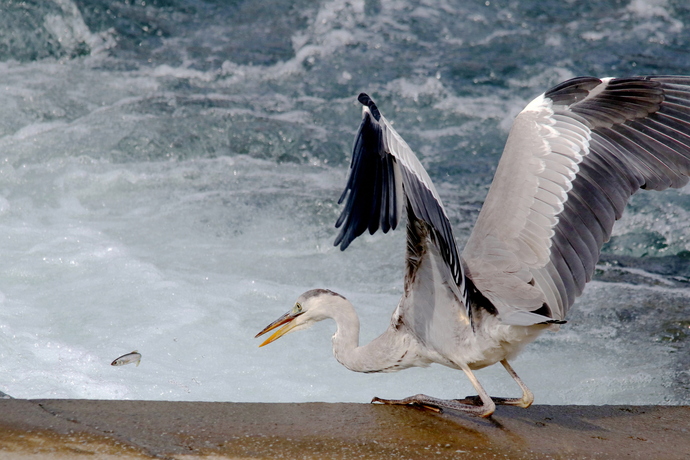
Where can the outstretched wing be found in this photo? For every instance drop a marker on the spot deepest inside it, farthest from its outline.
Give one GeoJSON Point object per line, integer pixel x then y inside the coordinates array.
{"type": "Point", "coordinates": [384, 175]}
{"type": "Point", "coordinates": [573, 158]}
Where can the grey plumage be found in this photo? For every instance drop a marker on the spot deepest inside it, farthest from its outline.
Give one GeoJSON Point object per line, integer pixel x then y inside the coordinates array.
{"type": "Point", "coordinates": [635, 134]}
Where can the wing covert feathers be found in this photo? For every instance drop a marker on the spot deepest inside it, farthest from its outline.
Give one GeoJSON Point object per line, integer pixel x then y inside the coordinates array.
{"type": "Point", "coordinates": [573, 158]}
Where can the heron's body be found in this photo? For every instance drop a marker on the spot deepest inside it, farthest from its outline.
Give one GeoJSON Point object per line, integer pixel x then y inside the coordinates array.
{"type": "Point", "coordinates": [573, 158]}
{"type": "Point", "coordinates": [399, 347]}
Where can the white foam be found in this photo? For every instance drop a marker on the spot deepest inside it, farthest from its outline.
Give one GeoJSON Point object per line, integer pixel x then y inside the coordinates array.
{"type": "Point", "coordinates": [132, 259]}
{"type": "Point", "coordinates": [70, 30]}
{"type": "Point", "coordinates": [649, 8]}
{"type": "Point", "coordinates": [112, 240]}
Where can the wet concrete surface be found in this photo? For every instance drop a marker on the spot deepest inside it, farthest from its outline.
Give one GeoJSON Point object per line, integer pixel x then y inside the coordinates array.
{"type": "Point", "coordinates": [157, 429]}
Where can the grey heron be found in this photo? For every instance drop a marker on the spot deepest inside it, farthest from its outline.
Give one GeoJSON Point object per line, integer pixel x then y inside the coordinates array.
{"type": "Point", "coordinates": [573, 158]}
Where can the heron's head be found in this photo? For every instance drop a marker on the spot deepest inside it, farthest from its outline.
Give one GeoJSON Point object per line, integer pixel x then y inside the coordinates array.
{"type": "Point", "coordinates": [310, 307]}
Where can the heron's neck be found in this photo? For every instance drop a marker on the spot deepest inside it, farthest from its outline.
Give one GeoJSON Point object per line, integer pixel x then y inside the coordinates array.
{"type": "Point", "coordinates": [383, 354]}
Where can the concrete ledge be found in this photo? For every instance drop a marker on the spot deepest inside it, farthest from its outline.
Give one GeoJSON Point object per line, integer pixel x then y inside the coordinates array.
{"type": "Point", "coordinates": [156, 429]}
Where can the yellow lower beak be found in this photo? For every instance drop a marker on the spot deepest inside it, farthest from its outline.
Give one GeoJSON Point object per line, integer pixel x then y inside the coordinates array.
{"type": "Point", "coordinates": [285, 321]}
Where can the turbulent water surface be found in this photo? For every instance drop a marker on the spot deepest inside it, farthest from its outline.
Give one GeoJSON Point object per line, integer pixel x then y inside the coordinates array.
{"type": "Point", "coordinates": [169, 176]}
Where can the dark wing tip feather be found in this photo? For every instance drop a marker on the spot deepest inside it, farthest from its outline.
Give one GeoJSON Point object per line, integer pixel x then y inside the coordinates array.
{"type": "Point", "coordinates": [573, 90]}
{"type": "Point", "coordinates": [370, 194]}
{"type": "Point", "coordinates": [364, 99]}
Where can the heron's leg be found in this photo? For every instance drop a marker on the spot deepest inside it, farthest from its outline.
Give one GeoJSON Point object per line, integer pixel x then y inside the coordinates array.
{"type": "Point", "coordinates": [484, 410]}
{"type": "Point", "coordinates": [525, 401]}
{"type": "Point", "coordinates": [527, 396]}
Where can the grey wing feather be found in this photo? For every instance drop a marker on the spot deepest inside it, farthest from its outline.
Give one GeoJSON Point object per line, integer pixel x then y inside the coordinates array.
{"type": "Point", "coordinates": [573, 158]}
{"type": "Point", "coordinates": [385, 175]}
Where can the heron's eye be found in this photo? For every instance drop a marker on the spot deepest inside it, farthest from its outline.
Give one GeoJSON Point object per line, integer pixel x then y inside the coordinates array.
{"type": "Point", "coordinates": [297, 309]}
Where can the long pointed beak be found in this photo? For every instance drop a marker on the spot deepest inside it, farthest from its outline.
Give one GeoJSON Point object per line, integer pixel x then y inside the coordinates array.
{"type": "Point", "coordinates": [285, 321]}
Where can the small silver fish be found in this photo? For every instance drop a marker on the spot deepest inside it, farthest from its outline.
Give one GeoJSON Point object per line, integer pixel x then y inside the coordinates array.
{"type": "Point", "coordinates": [132, 357]}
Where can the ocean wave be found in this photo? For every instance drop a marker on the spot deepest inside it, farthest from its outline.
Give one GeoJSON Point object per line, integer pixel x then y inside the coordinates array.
{"type": "Point", "coordinates": [34, 30]}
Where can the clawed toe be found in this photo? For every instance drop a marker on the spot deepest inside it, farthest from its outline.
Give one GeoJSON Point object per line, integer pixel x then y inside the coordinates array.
{"type": "Point", "coordinates": [411, 401]}
{"type": "Point", "coordinates": [470, 400]}
{"type": "Point", "coordinates": [477, 401]}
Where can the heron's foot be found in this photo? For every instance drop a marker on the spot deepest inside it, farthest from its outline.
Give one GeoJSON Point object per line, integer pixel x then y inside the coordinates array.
{"type": "Point", "coordinates": [411, 401]}
{"type": "Point", "coordinates": [475, 400]}
{"type": "Point", "coordinates": [438, 405]}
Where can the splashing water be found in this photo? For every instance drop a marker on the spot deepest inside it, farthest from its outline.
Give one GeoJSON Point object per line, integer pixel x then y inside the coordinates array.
{"type": "Point", "coordinates": [169, 172]}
